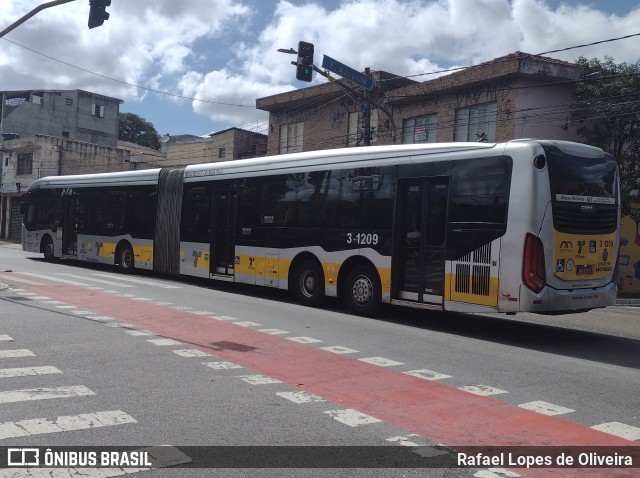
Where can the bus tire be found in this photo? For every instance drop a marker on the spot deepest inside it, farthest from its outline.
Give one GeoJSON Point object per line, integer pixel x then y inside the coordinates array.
{"type": "Point", "coordinates": [48, 249]}
{"type": "Point", "coordinates": [124, 257]}
{"type": "Point", "coordinates": [308, 283]}
{"type": "Point", "coordinates": [362, 290]}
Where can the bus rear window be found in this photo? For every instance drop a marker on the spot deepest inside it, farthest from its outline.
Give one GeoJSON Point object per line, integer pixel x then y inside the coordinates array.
{"type": "Point", "coordinates": [581, 179]}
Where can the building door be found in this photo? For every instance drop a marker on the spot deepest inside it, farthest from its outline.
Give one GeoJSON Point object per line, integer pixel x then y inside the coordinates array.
{"type": "Point", "coordinates": [420, 242]}
{"type": "Point", "coordinates": [223, 233]}
{"type": "Point", "coordinates": [69, 223]}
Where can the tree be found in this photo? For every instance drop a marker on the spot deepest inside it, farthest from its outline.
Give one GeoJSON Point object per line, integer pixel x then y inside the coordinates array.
{"type": "Point", "coordinates": [607, 111]}
{"type": "Point", "coordinates": [135, 129]}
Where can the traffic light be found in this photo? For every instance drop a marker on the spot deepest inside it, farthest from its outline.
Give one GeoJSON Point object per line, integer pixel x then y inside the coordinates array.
{"type": "Point", "coordinates": [304, 68]}
{"type": "Point", "coordinates": [98, 12]}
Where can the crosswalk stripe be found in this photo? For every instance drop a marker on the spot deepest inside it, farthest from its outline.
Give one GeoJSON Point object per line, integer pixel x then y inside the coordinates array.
{"type": "Point", "coordinates": [85, 421]}
{"type": "Point", "coordinates": [101, 281]}
{"type": "Point", "coordinates": [16, 353]}
{"type": "Point", "coordinates": [55, 279]}
{"type": "Point", "coordinates": [141, 281]}
{"type": "Point", "coordinates": [27, 371]}
{"type": "Point", "coordinates": [5, 338]}
{"type": "Point", "coordinates": [19, 279]}
{"type": "Point", "coordinates": [13, 396]}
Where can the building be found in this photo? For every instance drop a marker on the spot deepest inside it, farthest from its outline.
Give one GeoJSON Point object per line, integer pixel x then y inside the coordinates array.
{"type": "Point", "coordinates": [229, 144]}
{"type": "Point", "coordinates": [515, 96]}
{"type": "Point", "coordinates": [71, 114]}
{"type": "Point", "coordinates": [26, 159]}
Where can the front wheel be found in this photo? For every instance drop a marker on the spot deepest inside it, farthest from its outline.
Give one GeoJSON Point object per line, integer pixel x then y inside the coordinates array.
{"type": "Point", "coordinates": [125, 259]}
{"type": "Point", "coordinates": [362, 290]}
{"type": "Point", "coordinates": [308, 283]}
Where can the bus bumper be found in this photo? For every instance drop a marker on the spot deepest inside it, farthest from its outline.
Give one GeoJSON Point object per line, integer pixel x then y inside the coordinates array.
{"type": "Point", "coordinates": [30, 241]}
{"type": "Point", "coordinates": [558, 300]}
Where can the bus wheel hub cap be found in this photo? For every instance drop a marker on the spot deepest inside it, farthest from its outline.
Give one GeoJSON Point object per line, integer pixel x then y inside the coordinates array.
{"type": "Point", "coordinates": [362, 290]}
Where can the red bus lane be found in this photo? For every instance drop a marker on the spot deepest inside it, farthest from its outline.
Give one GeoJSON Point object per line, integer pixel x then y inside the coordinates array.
{"type": "Point", "coordinates": [430, 409]}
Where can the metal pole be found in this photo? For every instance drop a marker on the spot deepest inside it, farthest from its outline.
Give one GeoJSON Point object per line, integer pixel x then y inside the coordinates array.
{"type": "Point", "coordinates": [31, 14]}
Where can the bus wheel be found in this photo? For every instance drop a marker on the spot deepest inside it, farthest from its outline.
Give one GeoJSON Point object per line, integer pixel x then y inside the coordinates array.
{"type": "Point", "coordinates": [362, 290]}
{"type": "Point", "coordinates": [48, 249]}
{"type": "Point", "coordinates": [308, 283]}
{"type": "Point", "coordinates": [125, 258]}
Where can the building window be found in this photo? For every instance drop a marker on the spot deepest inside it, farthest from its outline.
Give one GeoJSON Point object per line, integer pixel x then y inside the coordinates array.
{"type": "Point", "coordinates": [24, 163]}
{"type": "Point", "coordinates": [356, 129]}
{"type": "Point", "coordinates": [476, 123]}
{"type": "Point", "coordinates": [419, 130]}
{"type": "Point", "coordinates": [97, 110]}
{"type": "Point", "coordinates": [221, 153]}
{"type": "Point", "coordinates": [68, 101]}
{"type": "Point", "coordinates": [291, 138]}
{"type": "Point", "coordinates": [65, 134]}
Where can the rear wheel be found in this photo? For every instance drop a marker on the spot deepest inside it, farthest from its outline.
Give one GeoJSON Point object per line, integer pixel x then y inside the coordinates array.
{"type": "Point", "coordinates": [362, 290]}
{"type": "Point", "coordinates": [308, 283]}
{"type": "Point", "coordinates": [125, 258]}
{"type": "Point", "coordinates": [48, 249]}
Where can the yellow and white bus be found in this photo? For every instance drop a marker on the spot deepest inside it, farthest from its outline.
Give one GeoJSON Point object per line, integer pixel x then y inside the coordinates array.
{"type": "Point", "coordinates": [525, 225]}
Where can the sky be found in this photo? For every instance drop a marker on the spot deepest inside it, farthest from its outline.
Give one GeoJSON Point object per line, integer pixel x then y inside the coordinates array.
{"type": "Point", "coordinates": [197, 66]}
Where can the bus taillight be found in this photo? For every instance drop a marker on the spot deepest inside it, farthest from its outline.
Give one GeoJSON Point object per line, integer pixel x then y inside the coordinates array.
{"type": "Point", "coordinates": [533, 273]}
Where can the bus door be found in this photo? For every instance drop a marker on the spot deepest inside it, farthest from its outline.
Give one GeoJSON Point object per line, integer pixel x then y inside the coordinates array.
{"type": "Point", "coordinates": [420, 241]}
{"type": "Point", "coordinates": [223, 232]}
{"type": "Point", "coordinates": [69, 223]}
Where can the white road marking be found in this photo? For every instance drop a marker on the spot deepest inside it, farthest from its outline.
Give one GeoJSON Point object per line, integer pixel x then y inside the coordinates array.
{"type": "Point", "coordinates": [224, 317]}
{"type": "Point", "coordinates": [497, 473]}
{"type": "Point", "coordinates": [259, 379]}
{"type": "Point", "coordinates": [301, 397]}
{"type": "Point", "coordinates": [246, 323]}
{"type": "Point", "coordinates": [202, 312]}
{"type": "Point", "coordinates": [545, 408]}
{"type": "Point", "coordinates": [483, 390]}
{"type": "Point", "coordinates": [141, 281]}
{"type": "Point", "coordinates": [99, 281]}
{"type": "Point", "coordinates": [66, 307]}
{"type": "Point", "coordinates": [41, 297]}
{"type": "Point", "coordinates": [191, 353]}
{"type": "Point", "coordinates": [427, 374]}
{"type": "Point", "coordinates": [51, 302]}
{"type": "Point", "coordinates": [27, 371]}
{"type": "Point", "coordinates": [222, 365]}
{"type": "Point", "coordinates": [403, 441]}
{"type": "Point", "coordinates": [82, 312]}
{"type": "Point", "coordinates": [20, 279]}
{"type": "Point", "coordinates": [274, 331]}
{"type": "Point", "coordinates": [123, 325]}
{"type": "Point", "coordinates": [5, 338]}
{"type": "Point", "coordinates": [101, 318]}
{"type": "Point", "coordinates": [56, 279]}
{"type": "Point", "coordinates": [339, 349]}
{"type": "Point", "coordinates": [25, 293]}
{"type": "Point", "coordinates": [381, 361]}
{"type": "Point", "coordinates": [85, 421]}
{"type": "Point", "coordinates": [619, 429]}
{"type": "Point", "coordinates": [138, 333]}
{"type": "Point", "coordinates": [44, 393]}
{"type": "Point", "coordinates": [16, 353]}
{"type": "Point", "coordinates": [353, 418]}
{"type": "Point", "coordinates": [304, 340]}
{"type": "Point", "coordinates": [163, 342]}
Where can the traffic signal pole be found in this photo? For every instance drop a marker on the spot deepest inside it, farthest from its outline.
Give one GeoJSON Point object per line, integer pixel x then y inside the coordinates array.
{"type": "Point", "coordinates": [32, 13]}
{"type": "Point", "coordinates": [354, 93]}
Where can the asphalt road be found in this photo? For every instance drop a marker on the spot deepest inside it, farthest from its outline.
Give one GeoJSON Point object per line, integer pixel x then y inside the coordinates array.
{"type": "Point", "coordinates": [92, 357]}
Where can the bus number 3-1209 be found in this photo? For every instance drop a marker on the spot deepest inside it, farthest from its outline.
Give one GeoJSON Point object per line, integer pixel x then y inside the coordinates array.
{"type": "Point", "coordinates": [362, 239]}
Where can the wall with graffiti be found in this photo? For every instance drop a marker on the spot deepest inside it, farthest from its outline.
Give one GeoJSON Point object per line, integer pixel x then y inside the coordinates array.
{"type": "Point", "coordinates": [629, 261]}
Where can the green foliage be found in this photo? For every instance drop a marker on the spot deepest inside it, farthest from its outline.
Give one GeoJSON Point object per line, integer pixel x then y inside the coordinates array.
{"type": "Point", "coordinates": [607, 113]}
{"type": "Point", "coordinates": [135, 129]}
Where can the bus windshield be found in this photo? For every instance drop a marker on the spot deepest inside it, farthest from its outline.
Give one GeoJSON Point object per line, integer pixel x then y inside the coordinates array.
{"type": "Point", "coordinates": [581, 179]}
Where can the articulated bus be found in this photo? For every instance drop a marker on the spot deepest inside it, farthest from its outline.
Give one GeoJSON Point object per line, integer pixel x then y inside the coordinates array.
{"type": "Point", "coordinates": [525, 225]}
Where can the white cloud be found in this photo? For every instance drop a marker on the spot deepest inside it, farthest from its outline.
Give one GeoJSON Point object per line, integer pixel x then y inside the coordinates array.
{"type": "Point", "coordinates": [205, 48]}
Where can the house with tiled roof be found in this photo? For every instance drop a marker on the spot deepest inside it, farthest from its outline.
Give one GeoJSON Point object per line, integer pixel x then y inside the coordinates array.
{"type": "Point", "coordinates": [515, 96]}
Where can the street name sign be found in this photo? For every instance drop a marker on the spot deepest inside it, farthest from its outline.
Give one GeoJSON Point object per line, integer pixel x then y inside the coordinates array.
{"type": "Point", "coordinates": [346, 72]}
